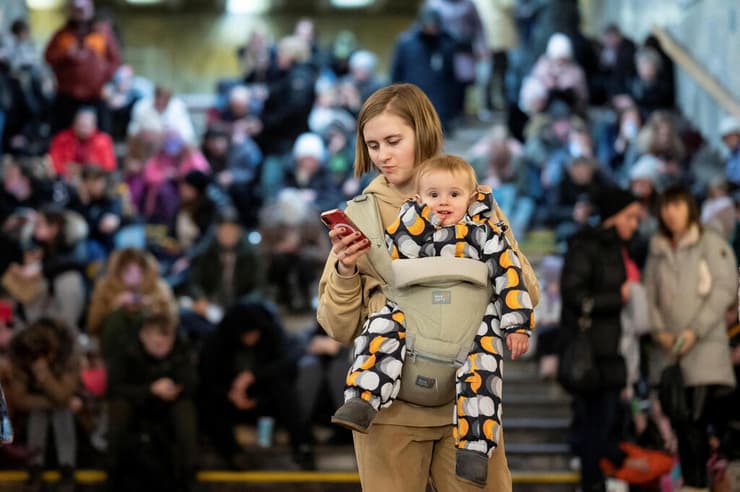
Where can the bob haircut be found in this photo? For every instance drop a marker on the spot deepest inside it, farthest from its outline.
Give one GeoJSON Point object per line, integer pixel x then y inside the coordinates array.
{"type": "Point", "coordinates": [409, 103]}
{"type": "Point", "coordinates": [450, 164]}
{"type": "Point", "coordinates": [673, 194]}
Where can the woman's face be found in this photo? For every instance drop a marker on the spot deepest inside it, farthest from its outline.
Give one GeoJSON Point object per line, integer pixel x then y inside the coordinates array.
{"type": "Point", "coordinates": [675, 215]}
{"type": "Point", "coordinates": [45, 231]}
{"type": "Point", "coordinates": [132, 276]}
{"type": "Point", "coordinates": [391, 144]}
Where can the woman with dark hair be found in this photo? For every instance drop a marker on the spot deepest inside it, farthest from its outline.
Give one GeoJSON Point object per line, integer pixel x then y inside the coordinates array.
{"type": "Point", "coordinates": [49, 282]}
{"type": "Point", "coordinates": [691, 281]}
{"type": "Point", "coordinates": [45, 376]}
{"type": "Point", "coordinates": [595, 285]}
{"type": "Point", "coordinates": [248, 369]}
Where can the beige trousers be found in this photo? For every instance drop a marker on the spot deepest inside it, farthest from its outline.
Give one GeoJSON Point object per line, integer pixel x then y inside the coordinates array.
{"type": "Point", "coordinates": [405, 459]}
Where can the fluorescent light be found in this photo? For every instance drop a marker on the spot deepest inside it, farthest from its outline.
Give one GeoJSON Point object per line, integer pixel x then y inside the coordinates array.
{"type": "Point", "coordinates": [44, 4]}
{"type": "Point", "coordinates": [351, 4]}
{"type": "Point", "coordinates": [247, 6]}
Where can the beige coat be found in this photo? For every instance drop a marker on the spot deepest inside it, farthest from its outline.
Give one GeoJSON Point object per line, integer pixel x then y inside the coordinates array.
{"type": "Point", "coordinates": [691, 287]}
{"type": "Point", "coordinates": [346, 302]}
{"type": "Point", "coordinates": [497, 17]}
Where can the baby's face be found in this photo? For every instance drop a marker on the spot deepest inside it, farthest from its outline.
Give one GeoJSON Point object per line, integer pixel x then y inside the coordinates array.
{"type": "Point", "coordinates": [448, 195]}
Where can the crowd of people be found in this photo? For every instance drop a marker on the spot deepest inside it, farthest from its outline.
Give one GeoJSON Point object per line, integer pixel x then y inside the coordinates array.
{"type": "Point", "coordinates": [145, 263]}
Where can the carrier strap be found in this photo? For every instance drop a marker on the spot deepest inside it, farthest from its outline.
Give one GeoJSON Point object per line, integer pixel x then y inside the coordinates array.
{"type": "Point", "coordinates": [363, 210]}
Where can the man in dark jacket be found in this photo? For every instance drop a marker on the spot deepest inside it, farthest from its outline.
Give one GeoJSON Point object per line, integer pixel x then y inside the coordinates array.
{"type": "Point", "coordinates": [594, 285]}
{"type": "Point", "coordinates": [290, 99]}
{"type": "Point", "coordinates": [151, 387]}
{"type": "Point", "coordinates": [228, 269]}
{"type": "Point", "coordinates": [424, 56]}
{"type": "Point", "coordinates": [248, 369]}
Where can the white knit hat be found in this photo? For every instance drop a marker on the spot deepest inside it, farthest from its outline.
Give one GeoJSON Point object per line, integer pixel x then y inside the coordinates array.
{"type": "Point", "coordinates": [363, 60]}
{"type": "Point", "coordinates": [729, 125]}
{"type": "Point", "coordinates": [309, 145]}
{"type": "Point", "coordinates": [647, 167]}
{"type": "Point", "coordinates": [559, 46]}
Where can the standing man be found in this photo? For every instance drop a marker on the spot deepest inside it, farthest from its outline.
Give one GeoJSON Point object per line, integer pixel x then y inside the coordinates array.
{"type": "Point", "coordinates": [84, 56]}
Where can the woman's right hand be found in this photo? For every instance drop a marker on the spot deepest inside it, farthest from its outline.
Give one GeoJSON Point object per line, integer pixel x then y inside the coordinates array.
{"type": "Point", "coordinates": [346, 252]}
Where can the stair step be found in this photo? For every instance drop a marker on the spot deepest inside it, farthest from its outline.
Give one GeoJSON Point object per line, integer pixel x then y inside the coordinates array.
{"type": "Point", "coordinates": [538, 405]}
{"type": "Point", "coordinates": [536, 430]}
{"type": "Point", "coordinates": [537, 456]}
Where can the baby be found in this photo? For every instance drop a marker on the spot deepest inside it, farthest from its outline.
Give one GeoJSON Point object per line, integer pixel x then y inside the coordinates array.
{"type": "Point", "coordinates": [455, 220]}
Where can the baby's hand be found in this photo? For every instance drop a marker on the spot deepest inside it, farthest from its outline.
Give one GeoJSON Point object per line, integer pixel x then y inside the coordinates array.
{"type": "Point", "coordinates": [518, 344]}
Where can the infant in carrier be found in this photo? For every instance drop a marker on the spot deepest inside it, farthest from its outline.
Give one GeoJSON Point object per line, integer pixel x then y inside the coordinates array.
{"type": "Point", "coordinates": [449, 217]}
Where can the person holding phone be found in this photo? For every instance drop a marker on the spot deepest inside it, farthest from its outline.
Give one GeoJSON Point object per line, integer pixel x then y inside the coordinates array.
{"type": "Point", "coordinates": [691, 281]}
{"type": "Point", "coordinates": [407, 446]}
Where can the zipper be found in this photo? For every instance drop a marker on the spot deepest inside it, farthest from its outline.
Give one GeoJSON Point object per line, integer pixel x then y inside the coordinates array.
{"type": "Point", "coordinates": [412, 356]}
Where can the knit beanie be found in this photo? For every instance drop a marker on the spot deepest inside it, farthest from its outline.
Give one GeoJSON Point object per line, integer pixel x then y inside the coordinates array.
{"type": "Point", "coordinates": [614, 200]}
{"type": "Point", "coordinates": [309, 145]}
{"type": "Point", "coordinates": [198, 180]}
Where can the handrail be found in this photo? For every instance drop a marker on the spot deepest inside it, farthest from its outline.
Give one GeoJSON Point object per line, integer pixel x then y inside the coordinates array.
{"type": "Point", "coordinates": [710, 84]}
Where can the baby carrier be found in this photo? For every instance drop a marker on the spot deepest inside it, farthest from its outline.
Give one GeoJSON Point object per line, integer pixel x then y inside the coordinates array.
{"type": "Point", "coordinates": [444, 300]}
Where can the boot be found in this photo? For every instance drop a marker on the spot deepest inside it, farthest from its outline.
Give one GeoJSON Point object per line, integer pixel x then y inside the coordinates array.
{"type": "Point", "coordinates": [356, 414]}
{"type": "Point", "coordinates": [35, 481]}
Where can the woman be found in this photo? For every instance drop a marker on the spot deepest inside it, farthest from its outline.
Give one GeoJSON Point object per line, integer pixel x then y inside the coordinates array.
{"type": "Point", "coordinates": [690, 280]}
{"type": "Point", "coordinates": [45, 374]}
{"type": "Point", "coordinates": [595, 285]}
{"type": "Point", "coordinates": [407, 445]}
{"type": "Point", "coordinates": [131, 285]}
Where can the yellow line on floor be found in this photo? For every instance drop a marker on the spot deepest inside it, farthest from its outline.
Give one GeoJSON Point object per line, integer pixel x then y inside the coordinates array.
{"type": "Point", "coordinates": [216, 476]}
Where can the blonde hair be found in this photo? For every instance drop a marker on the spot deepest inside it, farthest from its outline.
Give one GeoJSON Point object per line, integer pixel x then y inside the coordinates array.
{"type": "Point", "coordinates": [450, 164]}
{"type": "Point", "coordinates": [409, 103]}
{"type": "Point", "coordinates": [297, 49]}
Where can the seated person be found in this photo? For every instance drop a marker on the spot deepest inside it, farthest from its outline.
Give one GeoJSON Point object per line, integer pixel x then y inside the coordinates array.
{"type": "Point", "coordinates": [100, 209]}
{"type": "Point", "coordinates": [151, 389]}
{"type": "Point", "coordinates": [130, 285]}
{"type": "Point", "coordinates": [82, 145]}
{"type": "Point", "coordinates": [248, 370]}
{"type": "Point", "coordinates": [225, 272]}
{"type": "Point", "coordinates": [448, 218]}
{"type": "Point", "coordinates": [163, 110]}
{"type": "Point", "coordinates": [45, 372]}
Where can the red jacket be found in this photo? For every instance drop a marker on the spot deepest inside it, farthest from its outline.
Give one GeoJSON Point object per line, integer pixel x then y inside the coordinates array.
{"type": "Point", "coordinates": [66, 148]}
{"type": "Point", "coordinates": [82, 75]}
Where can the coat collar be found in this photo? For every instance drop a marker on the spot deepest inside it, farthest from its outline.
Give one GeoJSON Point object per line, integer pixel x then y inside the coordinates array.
{"type": "Point", "coordinates": [663, 246]}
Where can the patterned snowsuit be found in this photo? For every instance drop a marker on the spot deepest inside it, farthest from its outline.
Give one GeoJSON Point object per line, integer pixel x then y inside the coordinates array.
{"type": "Point", "coordinates": [380, 350]}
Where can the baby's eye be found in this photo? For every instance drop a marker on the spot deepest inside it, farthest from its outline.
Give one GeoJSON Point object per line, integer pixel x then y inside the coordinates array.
{"type": "Point", "coordinates": [433, 194]}
{"type": "Point", "coordinates": [455, 194]}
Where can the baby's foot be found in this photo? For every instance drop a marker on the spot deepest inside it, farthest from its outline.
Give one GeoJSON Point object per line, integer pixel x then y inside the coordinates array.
{"type": "Point", "coordinates": [356, 414]}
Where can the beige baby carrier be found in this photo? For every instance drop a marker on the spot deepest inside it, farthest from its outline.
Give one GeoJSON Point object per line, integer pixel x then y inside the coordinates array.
{"type": "Point", "coordinates": [444, 300]}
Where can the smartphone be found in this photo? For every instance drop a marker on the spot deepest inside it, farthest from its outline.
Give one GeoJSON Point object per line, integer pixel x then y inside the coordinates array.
{"type": "Point", "coordinates": [337, 218]}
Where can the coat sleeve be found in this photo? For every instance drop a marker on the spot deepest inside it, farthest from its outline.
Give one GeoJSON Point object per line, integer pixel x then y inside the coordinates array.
{"type": "Point", "coordinates": [723, 269]}
{"type": "Point", "coordinates": [504, 267]}
{"type": "Point", "coordinates": [340, 302]}
{"type": "Point", "coordinates": [657, 324]}
{"type": "Point", "coordinates": [576, 281]}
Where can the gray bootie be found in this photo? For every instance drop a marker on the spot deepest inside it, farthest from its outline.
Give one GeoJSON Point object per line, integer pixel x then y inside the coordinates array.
{"type": "Point", "coordinates": [471, 466]}
{"type": "Point", "coordinates": [356, 414]}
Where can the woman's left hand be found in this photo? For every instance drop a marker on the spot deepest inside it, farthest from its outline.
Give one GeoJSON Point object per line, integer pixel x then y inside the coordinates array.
{"type": "Point", "coordinates": [689, 340]}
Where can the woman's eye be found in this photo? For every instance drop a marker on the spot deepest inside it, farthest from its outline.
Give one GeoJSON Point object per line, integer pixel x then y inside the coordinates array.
{"type": "Point", "coordinates": [372, 146]}
{"type": "Point", "coordinates": [393, 142]}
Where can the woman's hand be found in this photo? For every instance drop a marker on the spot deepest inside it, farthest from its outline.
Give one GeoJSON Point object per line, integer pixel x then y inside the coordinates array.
{"type": "Point", "coordinates": [665, 340]}
{"type": "Point", "coordinates": [518, 344]}
{"type": "Point", "coordinates": [348, 249]}
{"type": "Point", "coordinates": [688, 338]}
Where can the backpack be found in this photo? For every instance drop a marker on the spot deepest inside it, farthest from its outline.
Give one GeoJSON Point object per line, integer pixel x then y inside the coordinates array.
{"type": "Point", "coordinates": [444, 300]}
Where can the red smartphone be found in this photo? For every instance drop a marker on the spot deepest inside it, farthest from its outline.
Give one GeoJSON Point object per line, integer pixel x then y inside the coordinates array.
{"type": "Point", "coordinates": [337, 218]}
